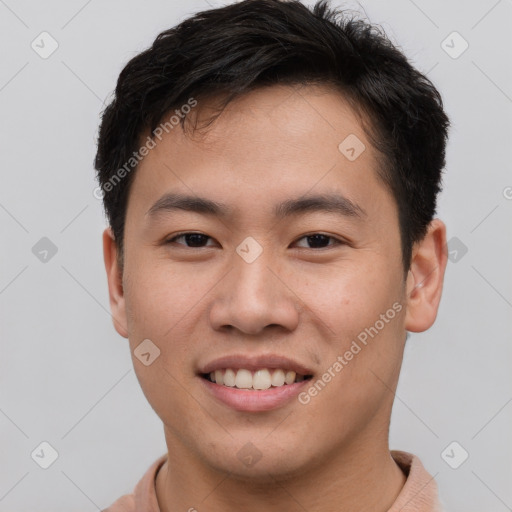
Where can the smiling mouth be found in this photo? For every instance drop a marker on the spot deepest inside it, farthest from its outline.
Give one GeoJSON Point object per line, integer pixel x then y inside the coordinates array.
{"type": "Point", "coordinates": [264, 378]}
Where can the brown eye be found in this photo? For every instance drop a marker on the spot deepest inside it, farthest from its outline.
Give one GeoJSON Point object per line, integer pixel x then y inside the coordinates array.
{"type": "Point", "coordinates": [192, 240]}
{"type": "Point", "coordinates": [320, 241]}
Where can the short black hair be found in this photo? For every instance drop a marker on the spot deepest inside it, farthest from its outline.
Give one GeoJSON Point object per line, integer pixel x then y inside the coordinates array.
{"type": "Point", "coordinates": [250, 44]}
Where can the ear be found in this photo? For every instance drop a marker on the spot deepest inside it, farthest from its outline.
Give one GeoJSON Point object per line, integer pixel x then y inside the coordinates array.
{"type": "Point", "coordinates": [425, 278]}
{"type": "Point", "coordinates": [115, 283]}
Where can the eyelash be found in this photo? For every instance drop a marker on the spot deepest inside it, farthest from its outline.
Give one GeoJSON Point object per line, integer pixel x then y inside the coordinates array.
{"type": "Point", "coordinates": [337, 242]}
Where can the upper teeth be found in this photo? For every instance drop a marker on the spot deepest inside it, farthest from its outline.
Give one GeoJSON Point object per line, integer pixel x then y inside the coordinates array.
{"type": "Point", "coordinates": [260, 379]}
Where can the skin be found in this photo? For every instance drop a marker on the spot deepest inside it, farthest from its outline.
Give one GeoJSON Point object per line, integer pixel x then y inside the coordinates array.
{"type": "Point", "coordinates": [308, 303]}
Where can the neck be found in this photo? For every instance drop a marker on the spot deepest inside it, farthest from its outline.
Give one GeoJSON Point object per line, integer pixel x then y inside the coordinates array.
{"type": "Point", "coordinates": [362, 477]}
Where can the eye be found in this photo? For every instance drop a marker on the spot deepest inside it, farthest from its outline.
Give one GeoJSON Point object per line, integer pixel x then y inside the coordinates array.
{"type": "Point", "coordinates": [194, 240]}
{"type": "Point", "coordinates": [319, 241]}
{"type": "Point", "coordinates": [198, 240]}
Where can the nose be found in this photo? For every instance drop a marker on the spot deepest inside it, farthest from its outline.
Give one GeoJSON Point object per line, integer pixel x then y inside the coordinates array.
{"type": "Point", "coordinates": [254, 296]}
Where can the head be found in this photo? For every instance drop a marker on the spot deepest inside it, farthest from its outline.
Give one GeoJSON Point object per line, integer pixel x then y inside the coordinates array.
{"type": "Point", "coordinates": [270, 175]}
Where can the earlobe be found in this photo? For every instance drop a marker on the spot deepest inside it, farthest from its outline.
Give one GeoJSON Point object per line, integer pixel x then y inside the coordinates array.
{"type": "Point", "coordinates": [425, 278]}
{"type": "Point", "coordinates": [115, 283]}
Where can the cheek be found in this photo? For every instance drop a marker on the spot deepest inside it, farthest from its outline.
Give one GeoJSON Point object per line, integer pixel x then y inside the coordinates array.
{"type": "Point", "coordinates": [364, 310]}
{"type": "Point", "coordinates": [160, 307]}
{"type": "Point", "coordinates": [350, 297]}
{"type": "Point", "coordinates": [159, 297]}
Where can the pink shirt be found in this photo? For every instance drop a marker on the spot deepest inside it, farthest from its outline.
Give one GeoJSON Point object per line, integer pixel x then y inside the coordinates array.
{"type": "Point", "coordinates": [419, 493]}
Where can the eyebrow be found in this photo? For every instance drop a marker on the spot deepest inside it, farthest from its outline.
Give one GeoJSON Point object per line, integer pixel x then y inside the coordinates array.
{"type": "Point", "coordinates": [332, 203]}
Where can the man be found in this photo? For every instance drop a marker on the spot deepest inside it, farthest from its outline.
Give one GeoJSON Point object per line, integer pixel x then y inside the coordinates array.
{"type": "Point", "coordinates": [270, 174]}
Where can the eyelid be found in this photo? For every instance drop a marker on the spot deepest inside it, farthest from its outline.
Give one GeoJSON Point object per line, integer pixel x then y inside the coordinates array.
{"type": "Point", "coordinates": [179, 235]}
{"type": "Point", "coordinates": [337, 240]}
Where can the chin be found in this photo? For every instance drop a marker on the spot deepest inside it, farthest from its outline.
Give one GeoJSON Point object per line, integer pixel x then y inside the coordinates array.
{"type": "Point", "coordinates": [259, 462]}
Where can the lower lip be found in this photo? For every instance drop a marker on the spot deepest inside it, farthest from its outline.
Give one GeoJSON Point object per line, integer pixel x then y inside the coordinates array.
{"type": "Point", "coordinates": [255, 401]}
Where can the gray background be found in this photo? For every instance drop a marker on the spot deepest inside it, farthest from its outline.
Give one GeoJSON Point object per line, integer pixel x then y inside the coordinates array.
{"type": "Point", "coordinates": [66, 376]}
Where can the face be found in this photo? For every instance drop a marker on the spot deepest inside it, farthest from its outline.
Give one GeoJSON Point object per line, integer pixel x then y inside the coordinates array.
{"type": "Point", "coordinates": [286, 258]}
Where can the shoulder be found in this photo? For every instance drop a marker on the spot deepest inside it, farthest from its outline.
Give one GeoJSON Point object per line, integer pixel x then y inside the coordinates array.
{"type": "Point", "coordinates": [420, 492]}
{"type": "Point", "coordinates": [125, 503]}
{"type": "Point", "coordinates": [144, 495]}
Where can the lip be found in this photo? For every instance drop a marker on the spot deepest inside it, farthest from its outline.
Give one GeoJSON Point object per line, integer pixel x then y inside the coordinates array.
{"type": "Point", "coordinates": [238, 361]}
{"type": "Point", "coordinates": [257, 400]}
{"type": "Point", "coordinates": [254, 400]}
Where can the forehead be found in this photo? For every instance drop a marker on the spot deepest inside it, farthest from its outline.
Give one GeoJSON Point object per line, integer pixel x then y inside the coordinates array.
{"type": "Point", "coordinates": [294, 119]}
{"type": "Point", "coordinates": [272, 143]}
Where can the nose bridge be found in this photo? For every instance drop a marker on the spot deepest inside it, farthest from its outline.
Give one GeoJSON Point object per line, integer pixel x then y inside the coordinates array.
{"type": "Point", "coordinates": [254, 286]}
{"type": "Point", "coordinates": [252, 297]}
{"type": "Point", "coordinates": [254, 278]}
